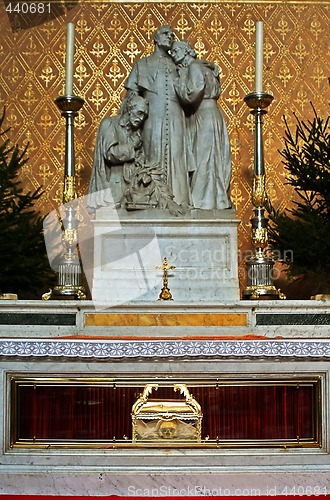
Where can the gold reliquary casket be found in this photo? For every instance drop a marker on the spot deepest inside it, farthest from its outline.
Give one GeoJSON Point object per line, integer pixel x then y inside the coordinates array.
{"type": "Point", "coordinates": [166, 420]}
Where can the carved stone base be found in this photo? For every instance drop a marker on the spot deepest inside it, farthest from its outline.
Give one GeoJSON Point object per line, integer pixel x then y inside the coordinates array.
{"type": "Point", "coordinates": [129, 246]}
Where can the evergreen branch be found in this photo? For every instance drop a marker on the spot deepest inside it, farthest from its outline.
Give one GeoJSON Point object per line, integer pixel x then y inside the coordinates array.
{"type": "Point", "coordinates": [304, 229]}
{"type": "Point", "coordinates": [24, 263]}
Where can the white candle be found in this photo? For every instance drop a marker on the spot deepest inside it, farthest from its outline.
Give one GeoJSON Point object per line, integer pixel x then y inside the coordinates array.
{"type": "Point", "coordinates": [259, 55]}
{"type": "Point", "coordinates": [69, 58]}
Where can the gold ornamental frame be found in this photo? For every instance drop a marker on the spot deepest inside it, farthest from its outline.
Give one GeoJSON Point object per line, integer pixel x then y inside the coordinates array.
{"type": "Point", "coordinates": [168, 420]}
{"type": "Point", "coordinates": [15, 382]}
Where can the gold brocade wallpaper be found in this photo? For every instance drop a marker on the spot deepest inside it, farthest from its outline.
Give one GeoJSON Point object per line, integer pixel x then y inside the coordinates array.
{"type": "Point", "coordinates": [111, 36]}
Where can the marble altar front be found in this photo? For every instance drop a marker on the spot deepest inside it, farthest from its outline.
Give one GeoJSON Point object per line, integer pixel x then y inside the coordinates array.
{"type": "Point", "coordinates": [236, 339]}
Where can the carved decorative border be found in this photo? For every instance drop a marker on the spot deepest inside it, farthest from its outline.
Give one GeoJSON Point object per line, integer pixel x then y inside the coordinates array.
{"type": "Point", "coordinates": [163, 349]}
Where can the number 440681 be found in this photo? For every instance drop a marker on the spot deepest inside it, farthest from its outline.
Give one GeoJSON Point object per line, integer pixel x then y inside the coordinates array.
{"type": "Point", "coordinates": [28, 8]}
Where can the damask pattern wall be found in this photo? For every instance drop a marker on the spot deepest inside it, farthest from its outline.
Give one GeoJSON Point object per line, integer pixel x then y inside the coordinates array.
{"type": "Point", "coordinates": [111, 36]}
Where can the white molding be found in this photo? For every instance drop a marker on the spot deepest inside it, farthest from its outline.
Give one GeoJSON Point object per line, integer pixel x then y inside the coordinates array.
{"type": "Point", "coordinates": [164, 349]}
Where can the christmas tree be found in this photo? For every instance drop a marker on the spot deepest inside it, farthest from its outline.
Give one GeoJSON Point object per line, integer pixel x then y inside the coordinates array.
{"type": "Point", "coordinates": [303, 231]}
{"type": "Point", "coordinates": [24, 264]}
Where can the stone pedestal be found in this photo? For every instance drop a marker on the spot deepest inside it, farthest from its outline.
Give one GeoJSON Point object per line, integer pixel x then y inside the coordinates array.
{"type": "Point", "coordinates": [129, 246]}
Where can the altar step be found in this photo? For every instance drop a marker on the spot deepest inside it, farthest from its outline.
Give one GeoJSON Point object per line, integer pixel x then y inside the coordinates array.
{"type": "Point", "coordinates": [284, 319]}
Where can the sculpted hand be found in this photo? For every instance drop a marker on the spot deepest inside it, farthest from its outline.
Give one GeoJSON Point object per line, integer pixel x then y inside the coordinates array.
{"type": "Point", "coordinates": [175, 209]}
{"type": "Point", "coordinates": [136, 141]}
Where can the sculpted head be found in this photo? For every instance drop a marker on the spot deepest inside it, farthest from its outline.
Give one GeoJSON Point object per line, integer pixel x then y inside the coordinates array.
{"type": "Point", "coordinates": [182, 50]}
{"type": "Point", "coordinates": [164, 37]}
{"type": "Point", "coordinates": [137, 110]}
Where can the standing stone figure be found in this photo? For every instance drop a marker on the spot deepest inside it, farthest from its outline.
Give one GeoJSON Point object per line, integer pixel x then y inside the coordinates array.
{"type": "Point", "coordinates": [164, 132]}
{"type": "Point", "coordinates": [198, 88]}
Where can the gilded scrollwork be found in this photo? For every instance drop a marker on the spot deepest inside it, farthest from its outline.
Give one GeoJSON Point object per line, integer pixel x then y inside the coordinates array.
{"type": "Point", "coordinates": [69, 192]}
{"type": "Point", "coordinates": [260, 237]}
{"type": "Point", "coordinates": [259, 194]}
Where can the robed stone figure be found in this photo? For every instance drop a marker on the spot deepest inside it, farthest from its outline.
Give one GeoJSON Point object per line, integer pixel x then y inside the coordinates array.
{"type": "Point", "coordinates": [164, 131]}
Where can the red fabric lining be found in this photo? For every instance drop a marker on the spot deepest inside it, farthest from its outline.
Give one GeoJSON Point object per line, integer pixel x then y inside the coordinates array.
{"type": "Point", "coordinates": [230, 412]}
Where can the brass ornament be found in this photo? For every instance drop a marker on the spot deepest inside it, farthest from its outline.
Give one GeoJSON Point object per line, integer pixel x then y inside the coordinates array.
{"type": "Point", "coordinates": [69, 192]}
{"type": "Point", "coordinates": [165, 293]}
{"type": "Point", "coordinates": [254, 292]}
{"type": "Point", "coordinates": [260, 237]}
{"type": "Point", "coordinates": [70, 236]}
{"type": "Point", "coordinates": [259, 194]}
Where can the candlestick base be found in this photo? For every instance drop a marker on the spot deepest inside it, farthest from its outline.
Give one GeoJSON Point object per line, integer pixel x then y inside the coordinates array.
{"type": "Point", "coordinates": [68, 266]}
{"type": "Point", "coordinates": [260, 279]}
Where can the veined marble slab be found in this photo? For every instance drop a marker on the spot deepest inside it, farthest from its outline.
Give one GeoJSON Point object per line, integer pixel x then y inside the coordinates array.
{"type": "Point", "coordinates": [277, 319]}
{"type": "Point", "coordinates": [167, 319]}
{"type": "Point", "coordinates": [167, 483]}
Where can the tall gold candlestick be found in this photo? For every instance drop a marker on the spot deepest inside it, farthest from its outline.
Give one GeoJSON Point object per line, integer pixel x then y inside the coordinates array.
{"type": "Point", "coordinates": [260, 265]}
{"type": "Point", "coordinates": [69, 271]}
